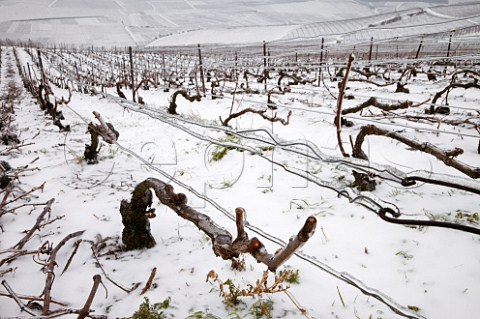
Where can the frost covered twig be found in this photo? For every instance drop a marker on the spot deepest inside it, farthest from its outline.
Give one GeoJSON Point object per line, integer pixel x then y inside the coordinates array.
{"type": "Point", "coordinates": [8, 190]}
{"type": "Point", "coordinates": [385, 107]}
{"type": "Point", "coordinates": [32, 298]}
{"type": "Point", "coordinates": [40, 218]}
{"type": "Point", "coordinates": [14, 253]}
{"type": "Point", "coordinates": [230, 292]}
{"type": "Point", "coordinates": [108, 277]}
{"type": "Point", "coordinates": [69, 261]}
{"type": "Point", "coordinates": [10, 149]}
{"type": "Point", "coordinates": [22, 306]}
{"type": "Point", "coordinates": [259, 112]}
{"type": "Point", "coordinates": [339, 105]}
{"type": "Point", "coordinates": [50, 265]}
{"type": "Point", "coordinates": [447, 157]}
{"type": "Point", "coordinates": [396, 220]}
{"type": "Point", "coordinates": [149, 281]}
{"type": "Point", "coordinates": [448, 88]}
{"type": "Point", "coordinates": [85, 311]}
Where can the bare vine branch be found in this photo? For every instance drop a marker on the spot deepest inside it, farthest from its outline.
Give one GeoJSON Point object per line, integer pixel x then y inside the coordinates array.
{"type": "Point", "coordinates": [50, 265]}
{"type": "Point", "coordinates": [223, 243]}
{"type": "Point", "coordinates": [97, 279]}
{"type": "Point", "coordinates": [22, 306]}
{"type": "Point", "coordinates": [172, 108]}
{"type": "Point", "coordinates": [339, 105]}
{"type": "Point", "coordinates": [447, 157]}
{"type": "Point", "coordinates": [385, 107]}
{"type": "Point", "coordinates": [259, 112]}
{"type": "Point", "coordinates": [149, 281]}
{"type": "Point", "coordinates": [40, 218]}
{"type": "Point", "coordinates": [466, 86]}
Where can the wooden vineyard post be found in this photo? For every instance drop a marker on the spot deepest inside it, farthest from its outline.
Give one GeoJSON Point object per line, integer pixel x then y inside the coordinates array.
{"type": "Point", "coordinates": [123, 70]}
{"type": "Point", "coordinates": [40, 63]}
{"type": "Point", "coordinates": [321, 62]}
{"type": "Point", "coordinates": [338, 118]}
{"type": "Point", "coordinates": [448, 54]}
{"type": "Point", "coordinates": [419, 48]}
{"type": "Point", "coordinates": [200, 64]}
{"type": "Point", "coordinates": [29, 72]}
{"type": "Point", "coordinates": [164, 68]}
{"type": "Point", "coordinates": [321, 51]}
{"type": "Point", "coordinates": [449, 45]}
{"type": "Point", "coordinates": [76, 71]}
{"type": "Point", "coordinates": [265, 72]}
{"type": "Point", "coordinates": [236, 67]}
{"type": "Point", "coordinates": [370, 51]}
{"type": "Point", "coordinates": [132, 73]}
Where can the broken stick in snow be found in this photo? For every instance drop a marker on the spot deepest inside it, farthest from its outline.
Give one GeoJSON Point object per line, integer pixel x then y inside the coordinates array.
{"type": "Point", "coordinates": [37, 226]}
{"type": "Point", "coordinates": [49, 267]}
{"type": "Point", "coordinates": [149, 281]}
{"type": "Point", "coordinates": [85, 311]}
{"type": "Point", "coordinates": [223, 243]}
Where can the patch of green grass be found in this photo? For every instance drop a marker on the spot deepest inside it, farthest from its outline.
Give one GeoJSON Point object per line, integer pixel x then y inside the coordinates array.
{"type": "Point", "coordinates": [414, 308]}
{"type": "Point", "coordinates": [219, 151]}
{"type": "Point", "coordinates": [262, 308]}
{"type": "Point", "coordinates": [148, 311]}
{"type": "Point", "coordinates": [300, 204]}
{"type": "Point", "coordinates": [267, 190]}
{"type": "Point", "coordinates": [404, 254]}
{"type": "Point", "coordinates": [226, 184]}
{"type": "Point", "coordinates": [471, 218]}
{"type": "Point", "coordinates": [460, 217]}
{"type": "Point", "coordinates": [291, 276]}
{"type": "Point", "coordinates": [202, 315]}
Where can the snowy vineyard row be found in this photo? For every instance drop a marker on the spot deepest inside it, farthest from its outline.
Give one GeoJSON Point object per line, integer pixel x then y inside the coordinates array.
{"type": "Point", "coordinates": [398, 100]}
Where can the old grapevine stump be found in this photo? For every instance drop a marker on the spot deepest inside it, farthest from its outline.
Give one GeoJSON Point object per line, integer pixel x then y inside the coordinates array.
{"type": "Point", "coordinates": [136, 234]}
{"type": "Point", "coordinates": [106, 131]}
{"type": "Point", "coordinates": [135, 214]}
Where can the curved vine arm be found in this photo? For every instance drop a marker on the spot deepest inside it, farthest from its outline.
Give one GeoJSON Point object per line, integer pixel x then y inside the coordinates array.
{"type": "Point", "coordinates": [396, 220]}
{"type": "Point", "coordinates": [446, 156]}
{"type": "Point", "coordinates": [223, 244]}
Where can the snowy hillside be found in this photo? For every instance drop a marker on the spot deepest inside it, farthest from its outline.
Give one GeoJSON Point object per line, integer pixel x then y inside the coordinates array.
{"type": "Point", "coordinates": [129, 22]}
{"type": "Point", "coordinates": [312, 159]}
{"type": "Point", "coordinates": [397, 232]}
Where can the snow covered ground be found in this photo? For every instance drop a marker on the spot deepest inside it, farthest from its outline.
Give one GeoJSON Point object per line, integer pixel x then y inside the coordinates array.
{"type": "Point", "coordinates": [426, 271]}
